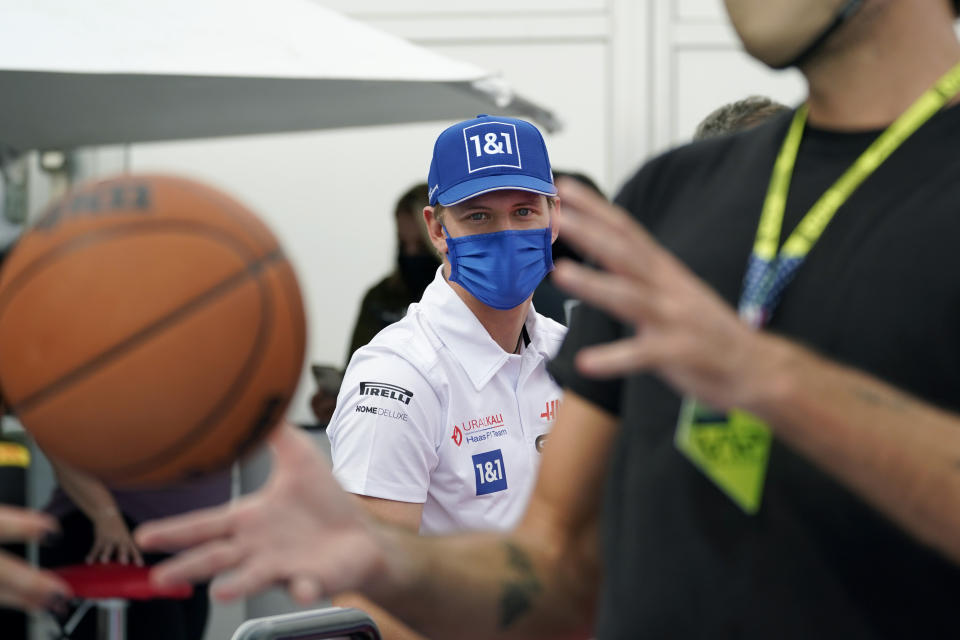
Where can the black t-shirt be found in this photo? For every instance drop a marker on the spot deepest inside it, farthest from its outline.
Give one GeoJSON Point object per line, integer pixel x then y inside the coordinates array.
{"type": "Point", "coordinates": [879, 291]}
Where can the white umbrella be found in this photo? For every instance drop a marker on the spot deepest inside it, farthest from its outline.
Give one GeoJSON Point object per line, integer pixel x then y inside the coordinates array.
{"type": "Point", "coordinates": [115, 71]}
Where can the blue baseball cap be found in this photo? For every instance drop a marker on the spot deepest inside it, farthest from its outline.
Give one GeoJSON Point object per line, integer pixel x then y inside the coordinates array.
{"type": "Point", "coordinates": [485, 154]}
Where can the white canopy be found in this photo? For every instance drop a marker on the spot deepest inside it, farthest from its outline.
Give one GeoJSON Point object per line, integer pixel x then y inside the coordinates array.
{"type": "Point", "coordinates": [115, 71]}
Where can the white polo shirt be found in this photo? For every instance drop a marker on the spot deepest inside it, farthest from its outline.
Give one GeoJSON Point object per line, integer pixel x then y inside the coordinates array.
{"type": "Point", "coordinates": [433, 411]}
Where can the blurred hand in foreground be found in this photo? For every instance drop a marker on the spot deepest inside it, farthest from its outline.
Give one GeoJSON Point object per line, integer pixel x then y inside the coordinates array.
{"type": "Point", "coordinates": [300, 530]}
{"type": "Point", "coordinates": [23, 586]}
{"type": "Point", "coordinates": [684, 331]}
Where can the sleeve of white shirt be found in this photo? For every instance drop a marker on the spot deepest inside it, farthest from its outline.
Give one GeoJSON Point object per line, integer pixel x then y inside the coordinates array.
{"type": "Point", "coordinates": [383, 441]}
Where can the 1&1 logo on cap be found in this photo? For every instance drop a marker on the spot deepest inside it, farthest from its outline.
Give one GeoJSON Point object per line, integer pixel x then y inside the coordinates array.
{"type": "Point", "coordinates": [489, 472]}
{"type": "Point", "coordinates": [491, 144]}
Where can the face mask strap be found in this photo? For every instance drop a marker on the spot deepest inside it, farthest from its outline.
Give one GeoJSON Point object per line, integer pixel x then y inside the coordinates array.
{"type": "Point", "coordinates": [846, 12]}
{"type": "Point", "coordinates": [548, 250]}
{"type": "Point", "coordinates": [451, 254]}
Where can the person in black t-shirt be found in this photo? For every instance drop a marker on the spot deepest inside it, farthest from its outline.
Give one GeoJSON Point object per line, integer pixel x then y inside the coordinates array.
{"type": "Point", "coordinates": [855, 372]}
{"type": "Point", "coordinates": [808, 484]}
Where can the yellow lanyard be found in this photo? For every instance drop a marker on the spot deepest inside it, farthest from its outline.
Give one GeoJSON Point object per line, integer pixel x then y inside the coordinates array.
{"type": "Point", "coordinates": [769, 272]}
{"type": "Point", "coordinates": [732, 448]}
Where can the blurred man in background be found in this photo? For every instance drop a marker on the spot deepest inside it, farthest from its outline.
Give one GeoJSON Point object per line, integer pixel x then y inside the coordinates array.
{"type": "Point", "coordinates": [387, 301]}
{"type": "Point", "coordinates": [737, 116]}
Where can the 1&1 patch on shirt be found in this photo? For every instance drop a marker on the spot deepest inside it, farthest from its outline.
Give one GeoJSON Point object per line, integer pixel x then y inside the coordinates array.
{"type": "Point", "coordinates": [489, 472]}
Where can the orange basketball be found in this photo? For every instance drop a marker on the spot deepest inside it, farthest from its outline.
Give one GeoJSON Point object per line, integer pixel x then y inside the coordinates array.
{"type": "Point", "coordinates": [151, 329]}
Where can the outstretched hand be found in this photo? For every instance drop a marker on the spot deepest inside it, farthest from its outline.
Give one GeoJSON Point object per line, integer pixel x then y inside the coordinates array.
{"type": "Point", "coordinates": [21, 585]}
{"type": "Point", "coordinates": [300, 530]}
{"type": "Point", "coordinates": [684, 331]}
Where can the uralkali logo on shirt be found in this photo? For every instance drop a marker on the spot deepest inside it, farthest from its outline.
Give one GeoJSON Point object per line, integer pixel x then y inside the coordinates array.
{"type": "Point", "coordinates": [486, 422]}
{"type": "Point", "coordinates": [479, 429]}
{"type": "Point", "coordinates": [384, 390]}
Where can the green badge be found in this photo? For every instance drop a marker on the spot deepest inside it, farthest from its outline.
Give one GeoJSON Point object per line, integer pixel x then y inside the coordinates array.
{"type": "Point", "coordinates": [731, 448]}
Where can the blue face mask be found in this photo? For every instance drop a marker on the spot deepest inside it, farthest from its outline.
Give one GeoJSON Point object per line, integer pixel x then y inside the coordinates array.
{"type": "Point", "coordinates": [500, 269]}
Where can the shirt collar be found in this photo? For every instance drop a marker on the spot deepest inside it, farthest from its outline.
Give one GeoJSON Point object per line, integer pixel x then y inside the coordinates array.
{"type": "Point", "coordinates": [466, 339]}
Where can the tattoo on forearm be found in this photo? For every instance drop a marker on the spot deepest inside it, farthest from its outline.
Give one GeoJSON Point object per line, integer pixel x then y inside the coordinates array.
{"type": "Point", "coordinates": [518, 594]}
{"type": "Point", "coordinates": [518, 559]}
{"type": "Point", "coordinates": [891, 400]}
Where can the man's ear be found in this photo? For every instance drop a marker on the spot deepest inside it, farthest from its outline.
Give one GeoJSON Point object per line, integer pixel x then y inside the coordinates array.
{"type": "Point", "coordinates": [555, 218]}
{"type": "Point", "coordinates": [435, 230]}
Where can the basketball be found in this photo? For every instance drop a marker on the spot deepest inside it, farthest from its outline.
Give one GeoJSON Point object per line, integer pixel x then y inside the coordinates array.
{"type": "Point", "coordinates": [151, 330]}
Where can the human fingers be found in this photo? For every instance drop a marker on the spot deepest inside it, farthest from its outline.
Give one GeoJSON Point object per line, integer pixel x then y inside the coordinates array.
{"type": "Point", "coordinates": [613, 250]}
{"type": "Point", "coordinates": [108, 552]}
{"type": "Point", "coordinates": [296, 457]}
{"type": "Point", "coordinates": [126, 552]}
{"type": "Point", "coordinates": [180, 532]}
{"type": "Point", "coordinates": [95, 551]}
{"type": "Point", "coordinates": [582, 199]}
{"type": "Point", "coordinates": [608, 236]}
{"type": "Point", "coordinates": [248, 579]}
{"type": "Point", "coordinates": [290, 442]}
{"type": "Point", "coordinates": [329, 574]}
{"type": "Point", "coordinates": [123, 557]}
{"type": "Point", "coordinates": [135, 554]}
{"type": "Point", "coordinates": [628, 300]}
{"type": "Point", "coordinates": [613, 359]}
{"type": "Point", "coordinates": [22, 524]}
{"type": "Point", "coordinates": [304, 590]}
{"type": "Point", "coordinates": [200, 563]}
{"type": "Point", "coordinates": [25, 587]}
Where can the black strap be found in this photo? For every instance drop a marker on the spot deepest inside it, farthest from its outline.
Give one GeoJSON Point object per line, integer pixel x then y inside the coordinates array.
{"type": "Point", "coordinates": [842, 16]}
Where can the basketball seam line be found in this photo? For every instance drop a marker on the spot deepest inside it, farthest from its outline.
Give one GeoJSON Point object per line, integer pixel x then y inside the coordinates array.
{"type": "Point", "coordinates": [85, 240]}
{"type": "Point", "coordinates": [111, 353]}
{"type": "Point", "coordinates": [298, 330]}
{"type": "Point", "coordinates": [201, 427]}
{"type": "Point", "coordinates": [236, 210]}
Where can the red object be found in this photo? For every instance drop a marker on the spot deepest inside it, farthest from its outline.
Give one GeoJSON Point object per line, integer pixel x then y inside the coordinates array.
{"type": "Point", "coordinates": [130, 582]}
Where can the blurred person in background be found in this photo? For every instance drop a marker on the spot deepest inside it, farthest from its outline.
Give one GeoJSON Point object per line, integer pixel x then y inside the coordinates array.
{"type": "Point", "coordinates": [387, 301]}
{"type": "Point", "coordinates": [739, 115]}
{"type": "Point", "coordinates": [95, 522]}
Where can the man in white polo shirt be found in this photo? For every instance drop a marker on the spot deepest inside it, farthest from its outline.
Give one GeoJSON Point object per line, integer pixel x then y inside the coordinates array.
{"type": "Point", "coordinates": [441, 418]}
